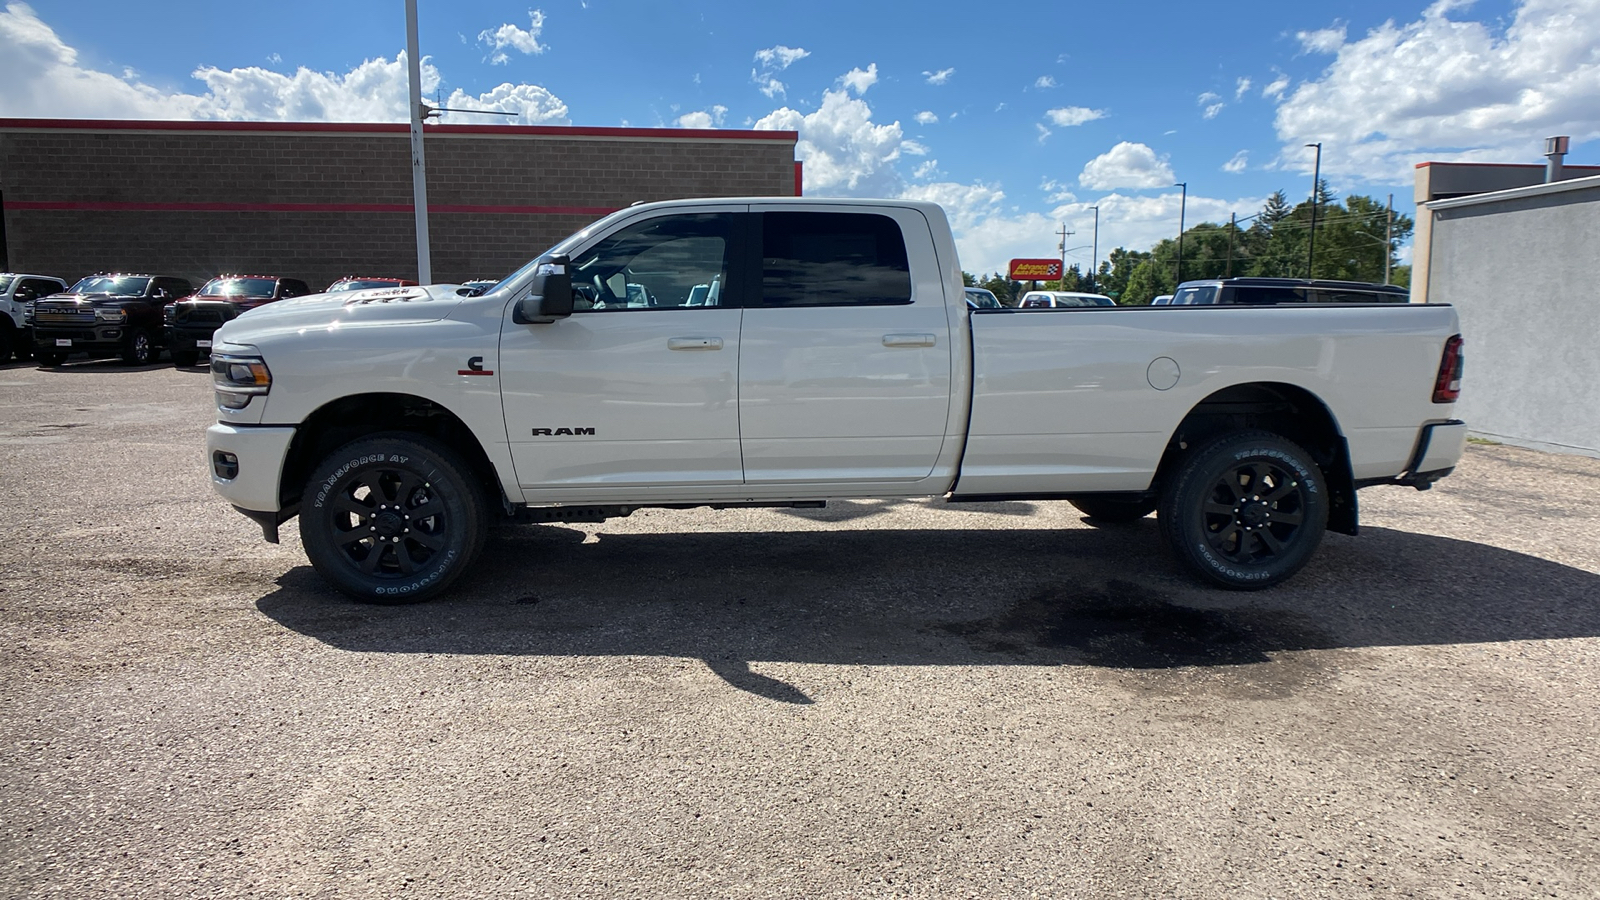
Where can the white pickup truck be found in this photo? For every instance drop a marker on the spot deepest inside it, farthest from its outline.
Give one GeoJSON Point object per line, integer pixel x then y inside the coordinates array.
{"type": "Point", "coordinates": [788, 352]}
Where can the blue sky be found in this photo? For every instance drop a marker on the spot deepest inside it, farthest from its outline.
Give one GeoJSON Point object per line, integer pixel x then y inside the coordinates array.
{"type": "Point", "coordinates": [1017, 117]}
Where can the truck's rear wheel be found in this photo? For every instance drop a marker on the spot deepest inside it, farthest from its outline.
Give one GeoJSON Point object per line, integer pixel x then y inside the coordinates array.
{"type": "Point", "coordinates": [1114, 509]}
{"type": "Point", "coordinates": [1246, 510]}
{"type": "Point", "coordinates": [8, 342]}
{"type": "Point", "coordinates": [392, 518]}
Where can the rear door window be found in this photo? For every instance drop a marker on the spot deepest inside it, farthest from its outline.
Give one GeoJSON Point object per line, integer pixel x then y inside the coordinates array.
{"type": "Point", "coordinates": [833, 259]}
{"type": "Point", "coordinates": [1269, 296]}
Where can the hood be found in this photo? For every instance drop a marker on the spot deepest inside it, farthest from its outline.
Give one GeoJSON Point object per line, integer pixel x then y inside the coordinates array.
{"type": "Point", "coordinates": [92, 299]}
{"type": "Point", "coordinates": [346, 309]}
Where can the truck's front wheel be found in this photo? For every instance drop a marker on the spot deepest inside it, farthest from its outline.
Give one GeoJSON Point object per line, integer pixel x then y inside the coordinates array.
{"type": "Point", "coordinates": [392, 518]}
{"type": "Point", "coordinates": [1245, 511]}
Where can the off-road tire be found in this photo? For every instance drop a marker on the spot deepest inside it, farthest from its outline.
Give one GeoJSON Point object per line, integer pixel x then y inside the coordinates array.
{"type": "Point", "coordinates": [1245, 511]}
{"type": "Point", "coordinates": [1111, 510]}
{"type": "Point", "coordinates": [183, 359]}
{"type": "Point", "coordinates": [140, 349]}
{"type": "Point", "coordinates": [9, 342]}
{"type": "Point", "coordinates": [392, 518]}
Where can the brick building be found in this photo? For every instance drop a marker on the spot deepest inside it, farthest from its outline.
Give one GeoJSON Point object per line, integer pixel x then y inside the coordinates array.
{"type": "Point", "coordinates": [321, 200]}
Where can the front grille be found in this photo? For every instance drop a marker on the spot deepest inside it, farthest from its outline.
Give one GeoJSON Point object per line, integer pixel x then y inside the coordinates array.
{"type": "Point", "coordinates": [195, 314]}
{"type": "Point", "coordinates": [44, 315]}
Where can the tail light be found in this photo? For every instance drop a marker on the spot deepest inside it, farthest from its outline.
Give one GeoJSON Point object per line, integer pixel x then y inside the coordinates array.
{"type": "Point", "coordinates": [1447, 387]}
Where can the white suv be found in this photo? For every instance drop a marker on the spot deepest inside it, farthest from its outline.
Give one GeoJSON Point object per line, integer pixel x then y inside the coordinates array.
{"type": "Point", "coordinates": [17, 291]}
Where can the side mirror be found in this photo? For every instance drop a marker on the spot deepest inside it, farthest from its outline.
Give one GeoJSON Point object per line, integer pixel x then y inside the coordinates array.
{"type": "Point", "coordinates": [549, 296]}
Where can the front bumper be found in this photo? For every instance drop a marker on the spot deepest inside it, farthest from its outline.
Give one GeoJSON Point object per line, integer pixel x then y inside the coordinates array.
{"type": "Point", "coordinates": [246, 465]}
{"type": "Point", "coordinates": [191, 337]}
{"type": "Point", "coordinates": [87, 339]}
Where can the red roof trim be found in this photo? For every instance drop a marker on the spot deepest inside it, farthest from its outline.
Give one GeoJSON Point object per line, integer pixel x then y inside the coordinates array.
{"type": "Point", "coordinates": [1424, 165]}
{"type": "Point", "coordinates": [111, 206]}
{"type": "Point", "coordinates": [400, 128]}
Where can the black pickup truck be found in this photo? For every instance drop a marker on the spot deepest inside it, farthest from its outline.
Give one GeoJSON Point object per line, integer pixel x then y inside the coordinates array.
{"type": "Point", "coordinates": [190, 322]}
{"type": "Point", "coordinates": [105, 315]}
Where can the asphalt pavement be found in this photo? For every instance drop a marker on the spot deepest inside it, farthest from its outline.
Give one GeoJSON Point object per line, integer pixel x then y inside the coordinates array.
{"type": "Point", "coordinates": [876, 699]}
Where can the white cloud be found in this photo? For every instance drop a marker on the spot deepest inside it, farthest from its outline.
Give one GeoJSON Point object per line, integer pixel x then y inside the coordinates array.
{"type": "Point", "coordinates": [1211, 111]}
{"type": "Point", "coordinates": [1239, 163]}
{"type": "Point", "coordinates": [1324, 40]}
{"type": "Point", "coordinates": [1446, 90]}
{"type": "Point", "coordinates": [43, 78]}
{"type": "Point", "coordinates": [913, 148]}
{"type": "Point", "coordinates": [859, 80]}
{"type": "Point", "coordinates": [1207, 97]}
{"type": "Point", "coordinates": [1213, 104]}
{"type": "Point", "coordinates": [939, 77]}
{"type": "Point", "coordinates": [1276, 88]}
{"type": "Point", "coordinates": [845, 152]}
{"type": "Point", "coordinates": [926, 117]}
{"type": "Point", "coordinates": [511, 37]}
{"type": "Point", "coordinates": [1127, 165]}
{"type": "Point", "coordinates": [1044, 82]}
{"type": "Point", "coordinates": [780, 57]}
{"type": "Point", "coordinates": [772, 61]}
{"type": "Point", "coordinates": [926, 170]}
{"type": "Point", "coordinates": [1044, 133]}
{"type": "Point", "coordinates": [1068, 116]}
{"type": "Point", "coordinates": [1242, 87]}
{"type": "Point", "coordinates": [711, 118]}
{"type": "Point", "coordinates": [1056, 192]}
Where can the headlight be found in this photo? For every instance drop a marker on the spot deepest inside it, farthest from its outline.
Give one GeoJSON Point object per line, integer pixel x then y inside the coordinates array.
{"type": "Point", "coordinates": [114, 316]}
{"type": "Point", "coordinates": [169, 313]}
{"type": "Point", "coordinates": [238, 378]}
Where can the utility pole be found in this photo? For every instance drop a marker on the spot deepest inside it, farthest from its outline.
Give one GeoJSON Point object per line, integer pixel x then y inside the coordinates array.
{"type": "Point", "coordinates": [419, 167]}
{"type": "Point", "coordinates": [1316, 184]}
{"type": "Point", "coordinates": [1388, 242]}
{"type": "Point", "coordinates": [1232, 223]}
{"type": "Point", "coordinates": [1183, 208]}
{"type": "Point", "coordinates": [1064, 233]}
{"type": "Point", "coordinates": [1094, 263]}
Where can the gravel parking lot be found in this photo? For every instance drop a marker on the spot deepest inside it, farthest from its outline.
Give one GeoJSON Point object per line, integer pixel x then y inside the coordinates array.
{"type": "Point", "coordinates": [876, 699]}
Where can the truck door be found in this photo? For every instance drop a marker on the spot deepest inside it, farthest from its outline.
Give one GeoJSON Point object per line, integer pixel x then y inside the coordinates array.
{"type": "Point", "coordinates": [845, 369]}
{"type": "Point", "coordinates": [638, 387]}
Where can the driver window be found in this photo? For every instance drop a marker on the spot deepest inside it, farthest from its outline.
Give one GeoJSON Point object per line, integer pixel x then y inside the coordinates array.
{"type": "Point", "coordinates": [671, 262]}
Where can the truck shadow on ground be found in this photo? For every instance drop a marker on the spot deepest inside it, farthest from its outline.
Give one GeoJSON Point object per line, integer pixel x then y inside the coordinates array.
{"type": "Point", "coordinates": [1107, 598]}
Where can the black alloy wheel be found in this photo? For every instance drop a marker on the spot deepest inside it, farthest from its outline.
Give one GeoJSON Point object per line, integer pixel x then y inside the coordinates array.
{"type": "Point", "coordinates": [392, 519]}
{"type": "Point", "coordinates": [1246, 511]}
{"type": "Point", "coordinates": [140, 350]}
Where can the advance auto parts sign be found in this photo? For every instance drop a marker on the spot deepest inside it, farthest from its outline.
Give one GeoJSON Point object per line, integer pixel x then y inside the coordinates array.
{"type": "Point", "coordinates": [1036, 270]}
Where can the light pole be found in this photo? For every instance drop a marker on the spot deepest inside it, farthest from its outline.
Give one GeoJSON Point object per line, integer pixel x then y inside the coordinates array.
{"type": "Point", "coordinates": [419, 168]}
{"type": "Point", "coordinates": [1094, 262]}
{"type": "Point", "coordinates": [1183, 207]}
{"type": "Point", "coordinates": [1316, 180]}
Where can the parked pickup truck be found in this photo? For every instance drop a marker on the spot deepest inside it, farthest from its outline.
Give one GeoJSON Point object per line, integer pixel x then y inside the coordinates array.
{"type": "Point", "coordinates": [105, 315]}
{"type": "Point", "coordinates": [788, 352]}
{"type": "Point", "coordinates": [192, 321]}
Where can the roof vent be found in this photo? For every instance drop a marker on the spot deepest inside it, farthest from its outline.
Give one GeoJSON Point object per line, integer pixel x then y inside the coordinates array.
{"type": "Point", "coordinates": [1555, 150]}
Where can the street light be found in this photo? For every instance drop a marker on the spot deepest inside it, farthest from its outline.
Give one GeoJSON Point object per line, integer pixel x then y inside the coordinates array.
{"type": "Point", "coordinates": [1183, 208]}
{"type": "Point", "coordinates": [1094, 264]}
{"type": "Point", "coordinates": [1316, 179]}
{"type": "Point", "coordinates": [419, 168]}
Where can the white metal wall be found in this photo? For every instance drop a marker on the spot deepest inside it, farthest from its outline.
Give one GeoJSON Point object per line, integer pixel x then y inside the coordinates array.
{"type": "Point", "coordinates": [1523, 269]}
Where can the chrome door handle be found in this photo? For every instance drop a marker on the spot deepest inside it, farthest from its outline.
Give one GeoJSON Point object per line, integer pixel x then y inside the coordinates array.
{"type": "Point", "coordinates": [908, 340]}
{"type": "Point", "coordinates": [694, 343]}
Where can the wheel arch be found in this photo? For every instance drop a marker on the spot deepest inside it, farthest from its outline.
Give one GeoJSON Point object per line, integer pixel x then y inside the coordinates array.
{"type": "Point", "coordinates": [349, 418]}
{"type": "Point", "coordinates": [1288, 410]}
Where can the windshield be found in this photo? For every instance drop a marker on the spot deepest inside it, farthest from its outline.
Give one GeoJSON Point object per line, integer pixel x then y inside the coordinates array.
{"type": "Point", "coordinates": [110, 284]}
{"type": "Point", "coordinates": [358, 284]}
{"type": "Point", "coordinates": [240, 287]}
